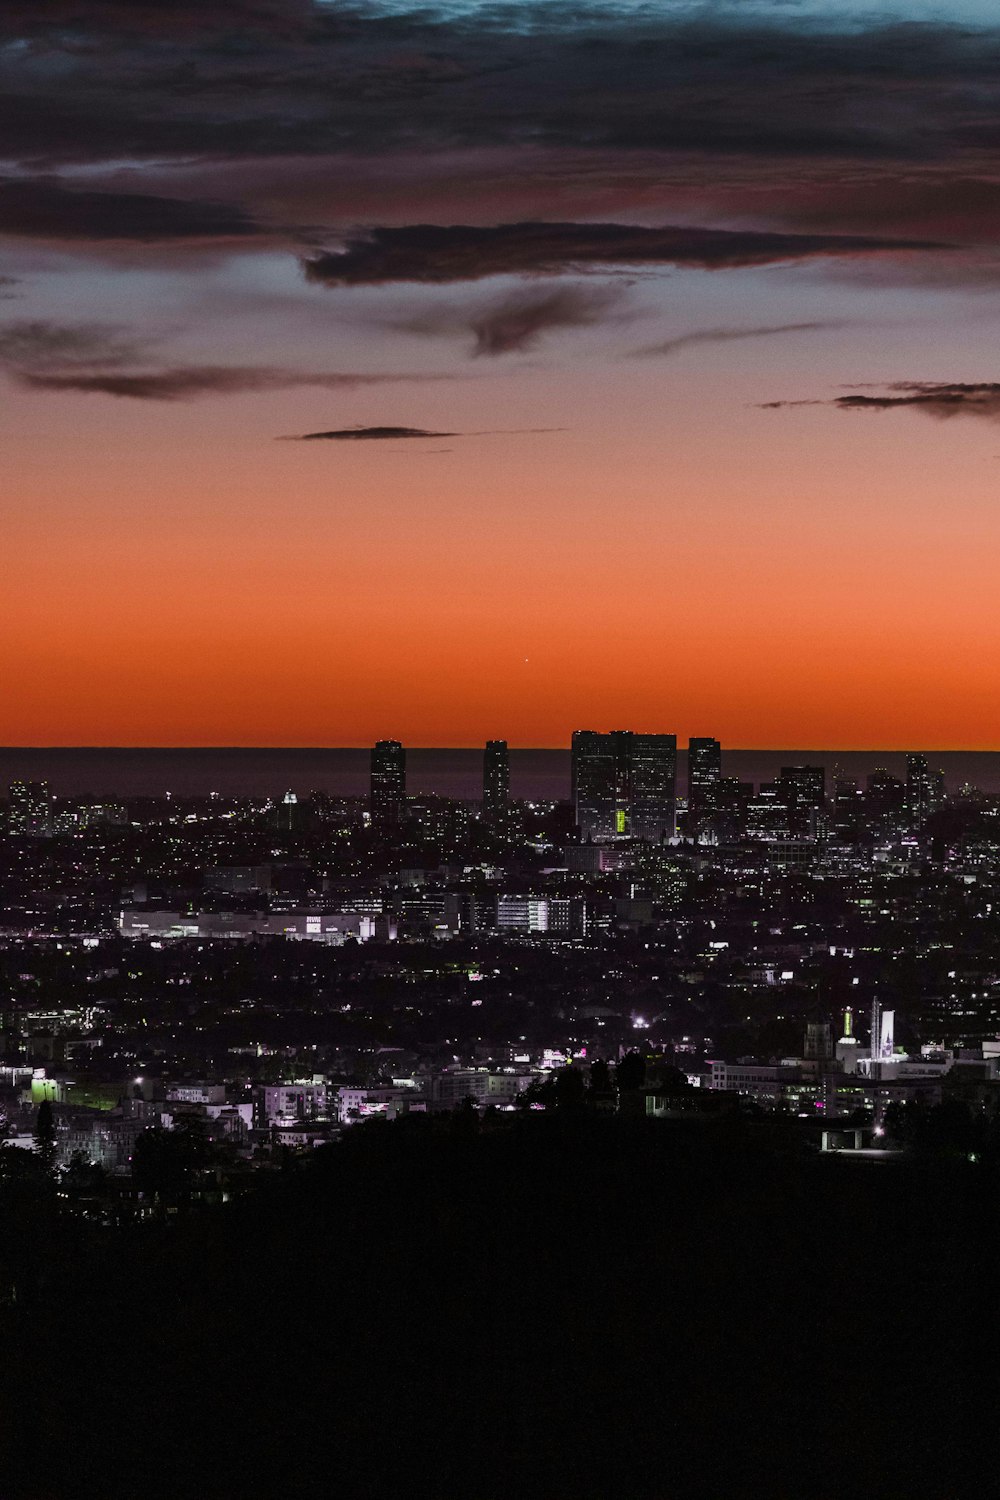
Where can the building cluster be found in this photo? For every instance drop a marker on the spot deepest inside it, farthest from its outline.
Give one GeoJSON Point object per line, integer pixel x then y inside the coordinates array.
{"type": "Point", "coordinates": [834, 1079]}
{"type": "Point", "coordinates": [282, 968]}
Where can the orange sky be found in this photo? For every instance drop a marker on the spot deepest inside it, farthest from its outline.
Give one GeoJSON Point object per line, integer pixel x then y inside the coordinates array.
{"type": "Point", "coordinates": [664, 554]}
{"type": "Point", "coordinates": [673, 559]}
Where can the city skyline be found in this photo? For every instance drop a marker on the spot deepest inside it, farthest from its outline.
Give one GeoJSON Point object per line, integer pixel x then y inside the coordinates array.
{"type": "Point", "coordinates": [458, 368]}
{"type": "Point", "coordinates": [499, 774]}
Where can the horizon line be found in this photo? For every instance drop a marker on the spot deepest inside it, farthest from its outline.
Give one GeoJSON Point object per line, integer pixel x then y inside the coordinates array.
{"type": "Point", "coordinates": [480, 744]}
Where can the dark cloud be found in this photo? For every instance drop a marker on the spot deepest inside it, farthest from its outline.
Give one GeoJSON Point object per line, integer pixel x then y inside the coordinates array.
{"type": "Point", "coordinates": [264, 114]}
{"type": "Point", "coordinates": [724, 336]}
{"type": "Point", "coordinates": [369, 434]}
{"type": "Point", "coordinates": [44, 209]}
{"type": "Point", "coordinates": [108, 360]}
{"type": "Point", "coordinates": [464, 252]}
{"type": "Point", "coordinates": [203, 121]}
{"type": "Point", "coordinates": [291, 78]}
{"type": "Point", "coordinates": [39, 345]}
{"type": "Point", "coordinates": [186, 382]}
{"type": "Point", "coordinates": [941, 399]}
{"type": "Point", "coordinates": [364, 434]}
{"type": "Point", "coordinates": [517, 320]}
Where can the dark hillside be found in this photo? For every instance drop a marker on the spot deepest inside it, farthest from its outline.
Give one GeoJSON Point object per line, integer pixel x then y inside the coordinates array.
{"type": "Point", "coordinates": [559, 1308]}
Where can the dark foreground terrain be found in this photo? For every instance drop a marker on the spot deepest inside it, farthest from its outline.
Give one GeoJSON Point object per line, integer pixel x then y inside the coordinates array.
{"type": "Point", "coordinates": [558, 1307]}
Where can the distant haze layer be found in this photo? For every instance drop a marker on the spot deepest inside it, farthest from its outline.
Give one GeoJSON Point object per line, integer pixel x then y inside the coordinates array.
{"type": "Point", "coordinates": [343, 772]}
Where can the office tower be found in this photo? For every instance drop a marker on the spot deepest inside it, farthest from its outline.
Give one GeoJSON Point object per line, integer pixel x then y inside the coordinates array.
{"type": "Point", "coordinates": [624, 784]}
{"type": "Point", "coordinates": [848, 1050]}
{"type": "Point", "coordinates": [30, 808]}
{"type": "Point", "coordinates": [496, 783]}
{"type": "Point", "coordinates": [731, 799]}
{"type": "Point", "coordinates": [652, 787]}
{"type": "Point", "coordinates": [704, 775]}
{"type": "Point", "coordinates": [882, 1044]}
{"type": "Point", "coordinates": [885, 795]}
{"type": "Point", "coordinates": [388, 781]}
{"type": "Point", "coordinates": [848, 803]}
{"type": "Point", "coordinates": [593, 772]}
{"type": "Point", "coordinates": [805, 786]}
{"type": "Point", "coordinates": [818, 1041]}
{"type": "Point", "coordinates": [803, 791]}
{"type": "Point", "coordinates": [924, 787]}
{"type": "Point", "coordinates": [768, 815]}
{"type": "Point", "coordinates": [287, 815]}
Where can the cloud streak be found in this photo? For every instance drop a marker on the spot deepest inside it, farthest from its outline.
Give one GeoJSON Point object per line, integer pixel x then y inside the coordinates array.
{"type": "Point", "coordinates": [187, 382]}
{"type": "Point", "coordinates": [697, 336]}
{"type": "Point", "coordinates": [940, 399]}
{"type": "Point", "coordinates": [370, 435]}
{"type": "Point", "coordinates": [43, 209]}
{"type": "Point", "coordinates": [106, 360]}
{"type": "Point", "coordinates": [439, 254]}
{"type": "Point", "coordinates": [387, 434]}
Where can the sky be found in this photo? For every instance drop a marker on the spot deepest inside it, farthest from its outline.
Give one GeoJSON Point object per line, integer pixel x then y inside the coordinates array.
{"type": "Point", "coordinates": [449, 372]}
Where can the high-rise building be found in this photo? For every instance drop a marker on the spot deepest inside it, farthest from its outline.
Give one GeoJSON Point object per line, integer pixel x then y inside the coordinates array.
{"type": "Point", "coordinates": [496, 783]}
{"type": "Point", "coordinates": [803, 791]}
{"type": "Point", "coordinates": [818, 1041]}
{"type": "Point", "coordinates": [30, 808]}
{"type": "Point", "coordinates": [624, 784]}
{"type": "Point", "coordinates": [805, 786]}
{"type": "Point", "coordinates": [704, 775]}
{"type": "Point", "coordinates": [885, 796]}
{"type": "Point", "coordinates": [848, 1049]}
{"type": "Point", "coordinates": [924, 787]}
{"type": "Point", "coordinates": [652, 787]}
{"type": "Point", "coordinates": [388, 781]}
{"type": "Point", "coordinates": [593, 772]}
{"type": "Point", "coordinates": [731, 799]}
{"type": "Point", "coordinates": [848, 803]}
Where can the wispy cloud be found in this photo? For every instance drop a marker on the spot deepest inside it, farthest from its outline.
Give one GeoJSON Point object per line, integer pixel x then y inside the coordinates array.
{"type": "Point", "coordinates": [37, 344]}
{"type": "Point", "coordinates": [107, 360]}
{"type": "Point", "coordinates": [940, 399]}
{"type": "Point", "coordinates": [516, 321]}
{"type": "Point", "coordinates": [186, 382]}
{"type": "Point", "coordinates": [697, 336]}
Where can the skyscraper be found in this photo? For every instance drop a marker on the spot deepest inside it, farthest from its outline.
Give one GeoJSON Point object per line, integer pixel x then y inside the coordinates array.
{"type": "Point", "coordinates": [802, 789]}
{"type": "Point", "coordinates": [624, 784]}
{"type": "Point", "coordinates": [388, 781]}
{"type": "Point", "coordinates": [496, 783]}
{"type": "Point", "coordinates": [704, 775]}
{"type": "Point", "coordinates": [652, 787]}
{"type": "Point", "coordinates": [30, 808]}
{"type": "Point", "coordinates": [593, 772]}
{"type": "Point", "coordinates": [804, 786]}
{"type": "Point", "coordinates": [924, 787]}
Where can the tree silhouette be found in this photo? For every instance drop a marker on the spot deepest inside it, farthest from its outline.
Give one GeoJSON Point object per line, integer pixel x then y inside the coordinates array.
{"type": "Point", "coordinates": [570, 1088]}
{"type": "Point", "coordinates": [630, 1073]}
{"type": "Point", "coordinates": [167, 1164]}
{"type": "Point", "coordinates": [600, 1077]}
{"type": "Point", "coordinates": [45, 1135]}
